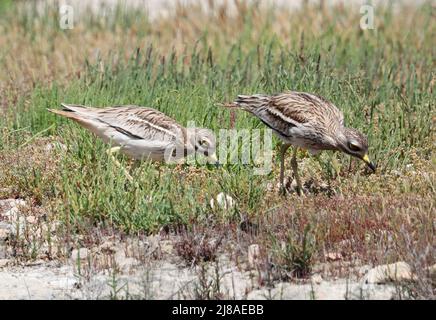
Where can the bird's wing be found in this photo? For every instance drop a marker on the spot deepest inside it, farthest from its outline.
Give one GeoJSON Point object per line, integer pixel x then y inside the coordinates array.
{"type": "Point", "coordinates": [262, 106]}
{"type": "Point", "coordinates": [294, 109]}
{"type": "Point", "coordinates": [300, 108]}
{"type": "Point", "coordinates": [283, 111]}
{"type": "Point", "coordinates": [135, 122]}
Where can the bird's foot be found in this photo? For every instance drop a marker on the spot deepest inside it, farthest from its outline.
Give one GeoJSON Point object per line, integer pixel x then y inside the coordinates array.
{"type": "Point", "coordinates": [283, 190]}
{"type": "Point", "coordinates": [300, 191]}
{"type": "Point", "coordinates": [296, 186]}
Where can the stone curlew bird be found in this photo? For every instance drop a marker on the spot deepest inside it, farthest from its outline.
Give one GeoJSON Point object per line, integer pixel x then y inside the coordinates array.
{"type": "Point", "coordinates": [142, 133]}
{"type": "Point", "coordinates": [307, 121]}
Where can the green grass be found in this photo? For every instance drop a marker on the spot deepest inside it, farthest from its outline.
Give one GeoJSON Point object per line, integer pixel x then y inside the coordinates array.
{"type": "Point", "coordinates": [358, 74]}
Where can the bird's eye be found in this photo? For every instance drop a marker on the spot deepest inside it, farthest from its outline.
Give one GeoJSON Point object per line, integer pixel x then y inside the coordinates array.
{"type": "Point", "coordinates": [353, 147]}
{"type": "Point", "coordinates": [204, 142]}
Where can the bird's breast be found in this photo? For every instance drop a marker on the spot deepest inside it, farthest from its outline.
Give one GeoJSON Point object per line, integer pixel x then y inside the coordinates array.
{"type": "Point", "coordinates": [155, 150]}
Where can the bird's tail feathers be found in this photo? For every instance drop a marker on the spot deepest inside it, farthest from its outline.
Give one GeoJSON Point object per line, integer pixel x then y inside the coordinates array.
{"type": "Point", "coordinates": [73, 107]}
{"type": "Point", "coordinates": [248, 102]}
{"type": "Point", "coordinates": [74, 112]}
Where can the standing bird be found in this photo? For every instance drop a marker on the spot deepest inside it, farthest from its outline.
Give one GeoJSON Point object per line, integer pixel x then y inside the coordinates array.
{"type": "Point", "coordinates": [142, 133]}
{"type": "Point", "coordinates": [307, 121]}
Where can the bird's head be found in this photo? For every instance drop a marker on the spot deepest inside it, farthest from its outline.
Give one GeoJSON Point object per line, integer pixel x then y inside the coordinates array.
{"type": "Point", "coordinates": [204, 143]}
{"type": "Point", "coordinates": [355, 144]}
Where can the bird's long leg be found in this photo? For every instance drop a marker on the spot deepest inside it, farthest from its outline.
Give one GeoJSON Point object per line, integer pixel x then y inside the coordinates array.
{"type": "Point", "coordinates": [294, 165]}
{"type": "Point", "coordinates": [111, 152]}
{"type": "Point", "coordinates": [283, 149]}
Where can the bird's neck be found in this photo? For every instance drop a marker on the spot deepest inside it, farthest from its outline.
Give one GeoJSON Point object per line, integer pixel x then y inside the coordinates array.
{"type": "Point", "coordinates": [340, 139]}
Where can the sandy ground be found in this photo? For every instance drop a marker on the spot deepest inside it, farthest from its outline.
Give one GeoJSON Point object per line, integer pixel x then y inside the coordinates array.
{"type": "Point", "coordinates": [150, 268]}
{"type": "Point", "coordinates": [166, 281]}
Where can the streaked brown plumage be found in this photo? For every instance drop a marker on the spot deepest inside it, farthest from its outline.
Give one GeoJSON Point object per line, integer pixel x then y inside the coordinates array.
{"type": "Point", "coordinates": [304, 120]}
{"type": "Point", "coordinates": [140, 132]}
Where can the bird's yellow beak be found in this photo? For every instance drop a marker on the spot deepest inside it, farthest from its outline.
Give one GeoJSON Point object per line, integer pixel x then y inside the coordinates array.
{"type": "Point", "coordinates": [368, 162]}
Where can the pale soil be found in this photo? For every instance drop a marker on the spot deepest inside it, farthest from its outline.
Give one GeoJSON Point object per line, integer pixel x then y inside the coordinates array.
{"type": "Point", "coordinates": [150, 268]}
{"type": "Point", "coordinates": [166, 281]}
{"type": "Point", "coordinates": [147, 268]}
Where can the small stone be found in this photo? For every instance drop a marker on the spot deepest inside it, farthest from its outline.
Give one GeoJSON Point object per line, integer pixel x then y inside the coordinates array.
{"type": "Point", "coordinates": [148, 199]}
{"type": "Point", "coordinates": [4, 262]}
{"type": "Point", "coordinates": [333, 256]}
{"type": "Point", "coordinates": [31, 219]}
{"type": "Point", "coordinates": [224, 201]}
{"type": "Point", "coordinates": [151, 244]}
{"type": "Point", "coordinates": [79, 254]}
{"type": "Point", "coordinates": [4, 234]}
{"type": "Point", "coordinates": [10, 208]}
{"type": "Point", "coordinates": [107, 247]}
{"type": "Point", "coordinates": [37, 262]}
{"type": "Point", "coordinates": [324, 186]}
{"type": "Point", "coordinates": [5, 230]}
{"type": "Point", "coordinates": [316, 279]}
{"type": "Point", "coordinates": [49, 147]}
{"type": "Point", "coordinates": [253, 256]}
{"type": "Point", "coordinates": [367, 237]}
{"type": "Point", "coordinates": [12, 213]}
{"type": "Point", "coordinates": [128, 263]}
{"type": "Point", "coordinates": [409, 166]}
{"type": "Point", "coordinates": [123, 262]}
{"type": "Point", "coordinates": [10, 203]}
{"type": "Point", "coordinates": [270, 187]}
{"type": "Point", "coordinates": [396, 173]}
{"type": "Point", "coordinates": [55, 145]}
{"type": "Point", "coordinates": [394, 272]}
{"type": "Point", "coordinates": [166, 246]}
{"type": "Point", "coordinates": [119, 256]}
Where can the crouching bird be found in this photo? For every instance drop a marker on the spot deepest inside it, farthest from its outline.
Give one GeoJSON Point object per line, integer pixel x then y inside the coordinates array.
{"type": "Point", "coordinates": [307, 121]}
{"type": "Point", "coordinates": [142, 133]}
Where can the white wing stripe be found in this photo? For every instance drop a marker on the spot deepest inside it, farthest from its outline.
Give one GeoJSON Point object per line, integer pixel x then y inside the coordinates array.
{"type": "Point", "coordinates": [136, 118]}
{"type": "Point", "coordinates": [283, 117]}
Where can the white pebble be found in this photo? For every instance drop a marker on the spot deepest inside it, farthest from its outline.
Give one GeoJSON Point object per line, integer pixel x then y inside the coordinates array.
{"type": "Point", "coordinates": [224, 201]}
